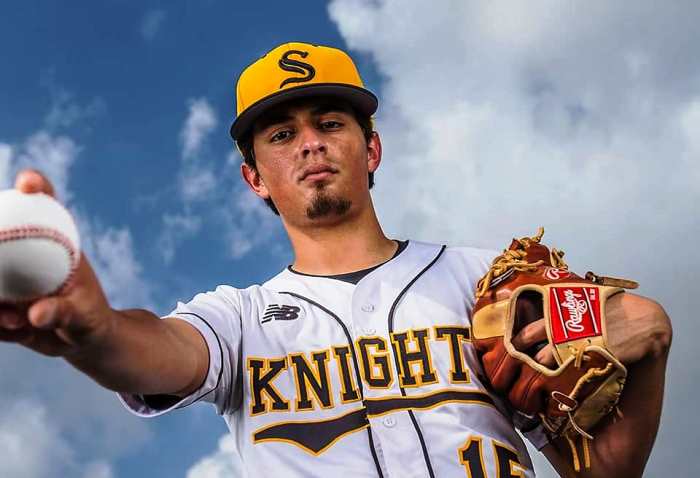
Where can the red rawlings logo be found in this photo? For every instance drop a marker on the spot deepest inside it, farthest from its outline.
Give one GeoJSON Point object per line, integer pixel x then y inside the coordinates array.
{"type": "Point", "coordinates": [552, 273]}
{"type": "Point", "coordinates": [574, 313]}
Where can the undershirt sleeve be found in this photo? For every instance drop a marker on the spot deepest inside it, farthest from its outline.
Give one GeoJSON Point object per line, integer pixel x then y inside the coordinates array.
{"type": "Point", "coordinates": [217, 317]}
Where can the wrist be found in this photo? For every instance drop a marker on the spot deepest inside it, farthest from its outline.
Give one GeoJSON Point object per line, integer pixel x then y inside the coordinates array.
{"type": "Point", "coordinates": [96, 340]}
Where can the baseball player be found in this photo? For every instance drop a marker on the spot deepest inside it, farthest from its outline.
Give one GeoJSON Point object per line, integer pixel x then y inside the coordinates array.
{"type": "Point", "coordinates": [358, 358]}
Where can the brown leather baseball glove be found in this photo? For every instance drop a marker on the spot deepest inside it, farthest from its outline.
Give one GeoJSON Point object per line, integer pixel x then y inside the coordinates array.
{"type": "Point", "coordinates": [529, 282]}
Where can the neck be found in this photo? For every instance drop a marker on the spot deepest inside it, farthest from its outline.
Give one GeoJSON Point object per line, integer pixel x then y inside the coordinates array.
{"type": "Point", "coordinates": [353, 244]}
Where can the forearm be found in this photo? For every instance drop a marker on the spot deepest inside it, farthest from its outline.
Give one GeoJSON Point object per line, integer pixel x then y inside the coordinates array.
{"type": "Point", "coordinates": [137, 352]}
{"type": "Point", "coordinates": [621, 447]}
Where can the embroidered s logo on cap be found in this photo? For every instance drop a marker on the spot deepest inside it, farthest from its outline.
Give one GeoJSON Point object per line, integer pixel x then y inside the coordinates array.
{"type": "Point", "coordinates": [280, 312]}
{"type": "Point", "coordinates": [296, 66]}
{"type": "Point", "coordinates": [574, 313]}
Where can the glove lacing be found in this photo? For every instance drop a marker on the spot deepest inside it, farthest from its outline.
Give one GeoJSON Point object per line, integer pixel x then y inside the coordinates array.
{"type": "Point", "coordinates": [516, 260]}
{"type": "Point", "coordinates": [576, 431]}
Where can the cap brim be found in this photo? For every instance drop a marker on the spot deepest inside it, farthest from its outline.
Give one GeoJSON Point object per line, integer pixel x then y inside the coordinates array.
{"type": "Point", "coordinates": [363, 100]}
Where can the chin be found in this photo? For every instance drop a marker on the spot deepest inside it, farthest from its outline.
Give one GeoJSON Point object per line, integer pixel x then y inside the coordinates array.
{"type": "Point", "coordinates": [327, 205]}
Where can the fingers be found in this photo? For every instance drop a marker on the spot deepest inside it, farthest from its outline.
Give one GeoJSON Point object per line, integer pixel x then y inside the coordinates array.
{"type": "Point", "coordinates": [17, 336]}
{"type": "Point", "coordinates": [32, 181]}
{"type": "Point", "coordinates": [530, 335]}
{"type": "Point", "coordinates": [11, 318]}
{"type": "Point", "coordinates": [546, 357]}
{"type": "Point", "coordinates": [51, 313]}
{"type": "Point", "coordinates": [533, 341]}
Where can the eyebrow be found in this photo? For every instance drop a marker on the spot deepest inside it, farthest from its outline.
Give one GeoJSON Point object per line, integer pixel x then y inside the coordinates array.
{"type": "Point", "coordinates": [330, 108]}
{"type": "Point", "coordinates": [276, 117]}
{"type": "Point", "coordinates": [271, 119]}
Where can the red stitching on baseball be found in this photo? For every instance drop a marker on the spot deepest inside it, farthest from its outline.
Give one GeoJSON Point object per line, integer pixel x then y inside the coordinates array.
{"type": "Point", "coordinates": [42, 232]}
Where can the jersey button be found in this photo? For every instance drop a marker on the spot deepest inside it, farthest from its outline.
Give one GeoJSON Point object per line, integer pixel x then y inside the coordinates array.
{"type": "Point", "coordinates": [368, 307]}
{"type": "Point", "coordinates": [389, 421]}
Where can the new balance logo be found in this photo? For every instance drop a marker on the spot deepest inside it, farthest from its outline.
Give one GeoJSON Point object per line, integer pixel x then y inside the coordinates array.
{"type": "Point", "coordinates": [280, 312]}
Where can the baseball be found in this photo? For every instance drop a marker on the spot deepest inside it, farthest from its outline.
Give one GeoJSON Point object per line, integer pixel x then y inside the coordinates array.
{"type": "Point", "coordinates": [39, 246]}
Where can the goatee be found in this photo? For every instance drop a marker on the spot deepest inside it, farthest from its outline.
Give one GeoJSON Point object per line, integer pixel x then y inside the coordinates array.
{"type": "Point", "coordinates": [324, 205]}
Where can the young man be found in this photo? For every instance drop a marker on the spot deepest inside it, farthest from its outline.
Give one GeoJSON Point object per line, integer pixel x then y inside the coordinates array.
{"type": "Point", "coordinates": [357, 358]}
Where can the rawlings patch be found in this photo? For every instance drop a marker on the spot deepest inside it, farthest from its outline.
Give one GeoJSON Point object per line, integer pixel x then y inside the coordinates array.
{"type": "Point", "coordinates": [574, 313]}
{"type": "Point", "coordinates": [552, 273]}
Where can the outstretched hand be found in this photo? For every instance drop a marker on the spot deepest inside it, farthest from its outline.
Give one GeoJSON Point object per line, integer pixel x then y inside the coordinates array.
{"type": "Point", "coordinates": [64, 324]}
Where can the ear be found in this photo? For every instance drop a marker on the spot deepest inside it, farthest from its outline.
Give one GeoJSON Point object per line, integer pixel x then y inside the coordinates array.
{"type": "Point", "coordinates": [374, 152]}
{"type": "Point", "coordinates": [255, 182]}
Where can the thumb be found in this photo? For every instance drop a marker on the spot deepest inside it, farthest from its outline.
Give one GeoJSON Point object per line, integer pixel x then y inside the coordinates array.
{"type": "Point", "coordinates": [51, 313]}
{"type": "Point", "coordinates": [32, 181]}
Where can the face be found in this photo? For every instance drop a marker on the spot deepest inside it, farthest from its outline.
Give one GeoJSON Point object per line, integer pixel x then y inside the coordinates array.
{"type": "Point", "coordinates": [312, 161]}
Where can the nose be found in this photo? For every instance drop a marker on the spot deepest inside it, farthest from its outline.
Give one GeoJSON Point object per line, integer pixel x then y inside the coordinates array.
{"type": "Point", "coordinates": [312, 142]}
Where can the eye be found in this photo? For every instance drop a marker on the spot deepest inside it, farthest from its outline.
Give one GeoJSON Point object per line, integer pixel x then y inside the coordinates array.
{"type": "Point", "coordinates": [280, 135]}
{"type": "Point", "coordinates": [331, 124]}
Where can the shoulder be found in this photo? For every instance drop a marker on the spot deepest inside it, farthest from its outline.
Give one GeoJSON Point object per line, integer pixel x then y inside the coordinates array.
{"type": "Point", "coordinates": [472, 255]}
{"type": "Point", "coordinates": [468, 263]}
{"type": "Point", "coordinates": [464, 262]}
{"type": "Point", "coordinates": [455, 251]}
{"type": "Point", "coordinates": [467, 258]}
{"type": "Point", "coordinates": [227, 300]}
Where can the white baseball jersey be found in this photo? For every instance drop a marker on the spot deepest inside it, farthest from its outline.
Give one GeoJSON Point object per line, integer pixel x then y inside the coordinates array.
{"type": "Point", "coordinates": [316, 376]}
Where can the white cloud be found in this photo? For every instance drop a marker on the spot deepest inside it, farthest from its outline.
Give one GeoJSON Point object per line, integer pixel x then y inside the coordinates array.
{"type": "Point", "coordinates": [151, 23]}
{"type": "Point", "coordinates": [497, 117]}
{"type": "Point", "coordinates": [98, 469]}
{"type": "Point", "coordinates": [197, 182]}
{"type": "Point", "coordinates": [86, 426]}
{"type": "Point", "coordinates": [110, 250]}
{"type": "Point", "coordinates": [111, 253]}
{"type": "Point", "coordinates": [176, 228]}
{"type": "Point", "coordinates": [222, 198]}
{"type": "Point", "coordinates": [65, 112]}
{"type": "Point", "coordinates": [690, 125]}
{"type": "Point", "coordinates": [200, 122]}
{"type": "Point", "coordinates": [33, 445]}
{"type": "Point", "coordinates": [6, 154]}
{"type": "Point", "coordinates": [523, 110]}
{"type": "Point", "coordinates": [223, 463]}
{"type": "Point", "coordinates": [53, 155]}
{"type": "Point", "coordinates": [248, 223]}
{"type": "Point", "coordinates": [197, 178]}
{"type": "Point", "coordinates": [233, 158]}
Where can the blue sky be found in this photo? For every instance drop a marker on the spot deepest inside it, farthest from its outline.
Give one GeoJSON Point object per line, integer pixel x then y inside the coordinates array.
{"type": "Point", "coordinates": [495, 119]}
{"type": "Point", "coordinates": [117, 80]}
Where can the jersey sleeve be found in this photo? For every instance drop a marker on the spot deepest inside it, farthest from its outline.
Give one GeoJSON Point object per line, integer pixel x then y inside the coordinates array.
{"type": "Point", "coordinates": [217, 317]}
{"type": "Point", "coordinates": [532, 429]}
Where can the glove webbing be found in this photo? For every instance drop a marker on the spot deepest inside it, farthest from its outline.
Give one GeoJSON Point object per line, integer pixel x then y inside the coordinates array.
{"type": "Point", "coordinates": [516, 259]}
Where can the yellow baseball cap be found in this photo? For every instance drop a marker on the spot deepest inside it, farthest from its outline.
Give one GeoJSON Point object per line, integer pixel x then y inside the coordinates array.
{"type": "Point", "coordinates": [297, 70]}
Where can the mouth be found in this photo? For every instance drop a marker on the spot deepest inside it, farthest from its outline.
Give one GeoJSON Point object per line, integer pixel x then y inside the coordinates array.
{"type": "Point", "coordinates": [317, 173]}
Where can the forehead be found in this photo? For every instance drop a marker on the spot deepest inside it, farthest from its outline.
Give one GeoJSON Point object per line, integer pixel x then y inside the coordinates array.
{"type": "Point", "coordinates": [288, 110]}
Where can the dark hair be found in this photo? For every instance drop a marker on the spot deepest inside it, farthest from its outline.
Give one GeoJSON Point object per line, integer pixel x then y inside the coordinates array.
{"type": "Point", "coordinates": [245, 146]}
